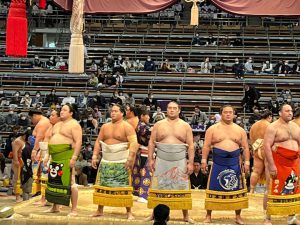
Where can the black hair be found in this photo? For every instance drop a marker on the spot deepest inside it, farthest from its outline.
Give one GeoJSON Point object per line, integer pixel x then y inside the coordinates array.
{"type": "Point", "coordinates": [282, 105]}
{"type": "Point", "coordinates": [265, 114]}
{"type": "Point", "coordinates": [2, 162]}
{"type": "Point", "coordinates": [35, 112]}
{"type": "Point", "coordinates": [73, 109]}
{"type": "Point", "coordinates": [133, 109]}
{"type": "Point", "coordinates": [174, 101]}
{"type": "Point", "coordinates": [161, 214]}
{"type": "Point", "coordinates": [224, 106]}
{"type": "Point", "coordinates": [121, 108]}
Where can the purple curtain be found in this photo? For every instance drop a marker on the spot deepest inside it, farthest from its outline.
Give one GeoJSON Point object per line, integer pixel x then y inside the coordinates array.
{"type": "Point", "coordinates": [119, 6]}
{"type": "Point", "coordinates": [260, 7]}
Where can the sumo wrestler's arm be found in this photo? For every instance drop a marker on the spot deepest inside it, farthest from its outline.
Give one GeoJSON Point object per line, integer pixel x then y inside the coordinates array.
{"type": "Point", "coordinates": [191, 150]}
{"type": "Point", "coordinates": [151, 148]}
{"type": "Point", "coordinates": [77, 142]}
{"type": "Point", "coordinates": [268, 143]}
{"type": "Point", "coordinates": [46, 139]}
{"type": "Point", "coordinates": [16, 146]}
{"type": "Point", "coordinates": [41, 130]}
{"type": "Point", "coordinates": [133, 145]}
{"type": "Point", "coordinates": [97, 147]}
{"type": "Point", "coordinates": [246, 152]}
{"type": "Point", "coordinates": [206, 149]}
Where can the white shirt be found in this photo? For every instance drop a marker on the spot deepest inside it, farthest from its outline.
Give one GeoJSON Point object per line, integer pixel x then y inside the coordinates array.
{"type": "Point", "coordinates": [66, 100]}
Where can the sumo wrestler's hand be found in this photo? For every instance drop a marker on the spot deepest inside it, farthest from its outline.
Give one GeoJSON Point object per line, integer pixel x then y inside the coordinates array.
{"type": "Point", "coordinates": [273, 171]}
{"type": "Point", "coordinates": [190, 168]}
{"type": "Point", "coordinates": [204, 167]}
{"type": "Point", "coordinates": [151, 165]}
{"type": "Point", "coordinates": [129, 164]}
{"type": "Point", "coordinates": [72, 163]}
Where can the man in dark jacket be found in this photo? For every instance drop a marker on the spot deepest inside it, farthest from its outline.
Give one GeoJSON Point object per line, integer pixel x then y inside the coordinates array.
{"type": "Point", "coordinates": [251, 98]}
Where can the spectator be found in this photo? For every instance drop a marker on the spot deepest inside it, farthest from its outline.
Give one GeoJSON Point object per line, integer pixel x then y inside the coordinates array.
{"type": "Point", "coordinates": [126, 65]}
{"type": "Point", "coordinates": [3, 99]}
{"type": "Point", "coordinates": [225, 41]}
{"type": "Point", "coordinates": [4, 174]}
{"type": "Point", "coordinates": [249, 66]}
{"type": "Point", "coordinates": [273, 105]}
{"type": "Point", "coordinates": [50, 64]}
{"type": "Point", "coordinates": [240, 121]}
{"type": "Point", "coordinates": [238, 41]}
{"type": "Point", "coordinates": [149, 64]}
{"type": "Point", "coordinates": [51, 99]}
{"type": "Point", "coordinates": [130, 99]}
{"type": "Point", "coordinates": [138, 66]}
{"type": "Point", "coordinates": [69, 99]}
{"type": "Point", "coordinates": [23, 120]}
{"type": "Point", "coordinates": [254, 117]}
{"type": "Point", "coordinates": [81, 161]}
{"type": "Point", "coordinates": [220, 67]}
{"type": "Point", "coordinates": [97, 114]}
{"type": "Point", "coordinates": [296, 67]}
{"type": "Point", "coordinates": [267, 67]}
{"type": "Point", "coordinates": [238, 69]}
{"type": "Point", "coordinates": [80, 177]}
{"type": "Point", "coordinates": [199, 117]}
{"type": "Point", "coordinates": [285, 93]}
{"type": "Point", "coordinates": [118, 66]}
{"type": "Point", "coordinates": [110, 60]}
{"type": "Point", "coordinates": [278, 67]}
{"type": "Point", "coordinates": [180, 65]}
{"type": "Point", "coordinates": [211, 121]}
{"type": "Point", "coordinates": [251, 97]}
{"type": "Point", "coordinates": [83, 100]}
{"type": "Point", "coordinates": [115, 98]}
{"type": "Point", "coordinates": [94, 66]}
{"type": "Point", "coordinates": [11, 119]}
{"type": "Point", "coordinates": [161, 214]}
{"type": "Point", "coordinates": [150, 101]}
{"type": "Point", "coordinates": [98, 100]}
{"type": "Point", "coordinates": [210, 41]}
{"type": "Point", "coordinates": [158, 115]}
{"type": "Point", "coordinates": [26, 100]}
{"type": "Point", "coordinates": [35, 10]}
{"type": "Point", "coordinates": [286, 69]}
{"type": "Point", "coordinates": [15, 99]}
{"type": "Point", "coordinates": [119, 79]}
{"type": "Point", "coordinates": [93, 81]}
{"type": "Point", "coordinates": [197, 178]}
{"type": "Point", "coordinates": [121, 96]}
{"type": "Point", "coordinates": [36, 62]}
{"type": "Point", "coordinates": [61, 65]}
{"type": "Point", "coordinates": [196, 40]}
{"type": "Point", "coordinates": [206, 66]}
{"type": "Point", "coordinates": [37, 99]}
{"type": "Point", "coordinates": [165, 66]}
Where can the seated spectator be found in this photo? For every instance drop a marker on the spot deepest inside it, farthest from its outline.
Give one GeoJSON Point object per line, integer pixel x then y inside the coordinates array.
{"type": "Point", "coordinates": [237, 41]}
{"type": "Point", "coordinates": [240, 121]}
{"type": "Point", "coordinates": [94, 66]}
{"type": "Point", "coordinates": [149, 64]}
{"type": "Point", "coordinates": [126, 65]}
{"type": "Point", "coordinates": [161, 214]}
{"type": "Point", "coordinates": [220, 67]}
{"type": "Point", "coordinates": [165, 66]}
{"type": "Point", "coordinates": [93, 81]}
{"type": "Point", "coordinates": [89, 123]}
{"type": "Point", "coordinates": [23, 120]}
{"type": "Point", "coordinates": [83, 100]}
{"type": "Point", "coordinates": [249, 66]}
{"type": "Point", "coordinates": [150, 101]}
{"type": "Point", "coordinates": [211, 121]}
{"type": "Point", "coordinates": [197, 178]}
{"type": "Point", "coordinates": [130, 99]}
{"type": "Point", "coordinates": [97, 114]}
{"type": "Point", "coordinates": [158, 115]}
{"type": "Point", "coordinates": [238, 69]}
{"type": "Point", "coordinates": [267, 67]}
{"type": "Point", "coordinates": [81, 161]}
{"type": "Point", "coordinates": [296, 67]}
{"type": "Point", "coordinates": [11, 119]}
{"type": "Point", "coordinates": [61, 65]}
{"type": "Point", "coordinates": [26, 100]}
{"type": "Point", "coordinates": [285, 93]}
{"type": "Point", "coordinates": [278, 69]}
{"type": "Point", "coordinates": [118, 66]}
{"type": "Point", "coordinates": [190, 70]}
{"type": "Point", "coordinates": [50, 64]}
{"type": "Point", "coordinates": [196, 40]}
{"type": "Point", "coordinates": [105, 67]}
{"type": "Point", "coordinates": [37, 99]}
{"type": "Point", "coordinates": [115, 98]}
{"type": "Point", "coordinates": [138, 66]}
{"type": "Point", "coordinates": [3, 99]}
{"type": "Point", "coordinates": [111, 80]}
{"type": "Point", "coordinates": [225, 41]}
{"type": "Point", "coordinates": [273, 105]}
{"type": "Point", "coordinates": [199, 117]}
{"type": "Point", "coordinates": [119, 79]}
{"type": "Point", "coordinates": [98, 100]}
{"type": "Point", "coordinates": [15, 99]}
{"type": "Point", "coordinates": [251, 98]}
{"type": "Point", "coordinates": [35, 10]}
{"type": "Point", "coordinates": [51, 99]}
{"type": "Point", "coordinates": [80, 177]}
{"type": "Point", "coordinates": [121, 96]}
{"type": "Point", "coordinates": [110, 60]}
{"type": "Point", "coordinates": [206, 66]}
{"type": "Point", "coordinates": [37, 62]}
{"type": "Point", "coordinates": [286, 69]}
{"type": "Point", "coordinates": [210, 41]}
{"type": "Point", "coordinates": [69, 99]}
{"type": "Point", "coordinates": [181, 66]}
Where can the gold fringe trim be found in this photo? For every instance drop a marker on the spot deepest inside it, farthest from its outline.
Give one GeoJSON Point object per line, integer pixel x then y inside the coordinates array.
{"type": "Point", "coordinates": [36, 187]}
{"type": "Point", "coordinates": [43, 189]}
{"type": "Point", "coordinates": [175, 199]}
{"type": "Point", "coordinates": [102, 196]}
{"type": "Point", "coordinates": [226, 204]}
{"type": "Point", "coordinates": [277, 204]}
{"type": "Point", "coordinates": [226, 193]}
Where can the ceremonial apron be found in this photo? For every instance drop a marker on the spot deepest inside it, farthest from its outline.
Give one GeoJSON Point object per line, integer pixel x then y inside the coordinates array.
{"type": "Point", "coordinates": [58, 189]}
{"type": "Point", "coordinates": [226, 188]}
{"type": "Point", "coordinates": [113, 182]}
{"type": "Point", "coordinates": [170, 183]}
{"type": "Point", "coordinates": [284, 192]}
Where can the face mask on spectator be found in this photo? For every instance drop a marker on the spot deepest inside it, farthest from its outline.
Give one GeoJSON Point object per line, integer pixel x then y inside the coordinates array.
{"type": "Point", "coordinates": [1, 92]}
{"type": "Point", "coordinates": [98, 94]}
{"type": "Point", "coordinates": [267, 62]}
{"type": "Point", "coordinates": [120, 58]}
{"type": "Point", "coordinates": [85, 120]}
{"type": "Point", "coordinates": [38, 95]}
{"type": "Point", "coordinates": [61, 60]}
{"type": "Point", "coordinates": [286, 63]}
{"type": "Point", "coordinates": [221, 63]}
{"type": "Point", "coordinates": [238, 122]}
{"type": "Point", "coordinates": [90, 149]}
{"type": "Point", "coordinates": [289, 100]}
{"type": "Point", "coordinates": [236, 62]}
{"type": "Point", "coordinates": [36, 58]}
{"type": "Point", "coordinates": [17, 94]}
{"type": "Point", "coordinates": [212, 121]}
{"type": "Point", "coordinates": [148, 59]}
{"type": "Point", "coordinates": [11, 112]}
{"type": "Point", "coordinates": [23, 118]}
{"type": "Point", "coordinates": [26, 96]}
